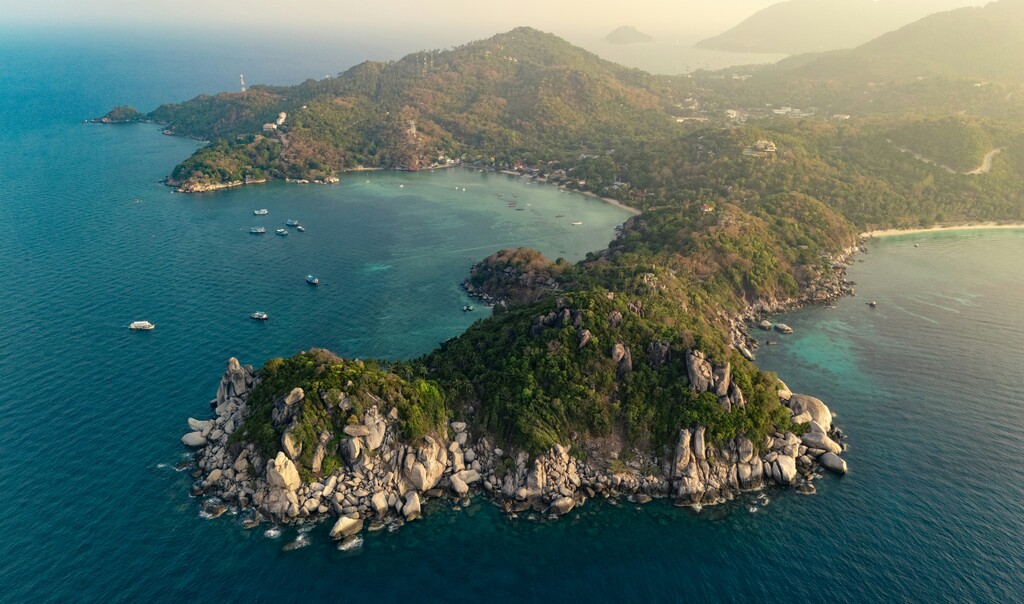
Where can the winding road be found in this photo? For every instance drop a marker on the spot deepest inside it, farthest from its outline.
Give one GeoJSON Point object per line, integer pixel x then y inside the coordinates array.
{"type": "Point", "coordinates": [986, 165]}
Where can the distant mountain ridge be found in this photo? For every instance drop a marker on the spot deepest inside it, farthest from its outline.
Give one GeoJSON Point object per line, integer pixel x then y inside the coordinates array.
{"type": "Point", "coordinates": [983, 43]}
{"type": "Point", "coordinates": [801, 26]}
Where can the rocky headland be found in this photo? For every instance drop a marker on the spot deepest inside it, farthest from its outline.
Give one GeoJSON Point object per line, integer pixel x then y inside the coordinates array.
{"type": "Point", "coordinates": [384, 479]}
{"type": "Point", "coordinates": [381, 476]}
{"type": "Point", "coordinates": [122, 114]}
{"type": "Point", "coordinates": [515, 276]}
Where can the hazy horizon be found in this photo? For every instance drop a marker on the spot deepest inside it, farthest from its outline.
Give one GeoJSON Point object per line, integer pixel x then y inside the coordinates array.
{"type": "Point", "coordinates": [446, 20]}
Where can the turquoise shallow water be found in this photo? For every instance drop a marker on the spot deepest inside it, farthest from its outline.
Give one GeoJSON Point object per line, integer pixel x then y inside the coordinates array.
{"type": "Point", "coordinates": [927, 385]}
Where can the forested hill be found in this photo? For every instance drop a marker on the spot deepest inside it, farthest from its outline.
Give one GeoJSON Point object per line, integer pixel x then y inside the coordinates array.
{"type": "Point", "coordinates": [520, 94]}
{"type": "Point", "coordinates": [528, 100]}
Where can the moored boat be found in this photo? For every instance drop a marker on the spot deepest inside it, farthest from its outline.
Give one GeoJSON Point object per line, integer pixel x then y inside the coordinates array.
{"type": "Point", "coordinates": [282, 232]}
{"type": "Point", "coordinates": [141, 326]}
{"type": "Point", "coordinates": [261, 212]}
{"type": "Point", "coordinates": [312, 280]}
{"type": "Point", "coordinates": [259, 315]}
{"type": "Point", "coordinates": [291, 222]}
{"type": "Point", "coordinates": [300, 228]}
{"type": "Point", "coordinates": [258, 230]}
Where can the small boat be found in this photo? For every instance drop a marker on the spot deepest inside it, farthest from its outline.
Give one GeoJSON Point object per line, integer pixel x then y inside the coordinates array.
{"type": "Point", "coordinates": [872, 304]}
{"type": "Point", "coordinates": [259, 315]}
{"type": "Point", "coordinates": [577, 223]}
{"type": "Point", "coordinates": [282, 232]}
{"type": "Point", "coordinates": [300, 228]}
{"type": "Point", "coordinates": [312, 280]}
{"type": "Point", "coordinates": [467, 308]}
{"type": "Point", "coordinates": [258, 230]}
{"type": "Point", "coordinates": [261, 212]}
{"type": "Point", "coordinates": [141, 326]}
{"type": "Point", "coordinates": [292, 222]}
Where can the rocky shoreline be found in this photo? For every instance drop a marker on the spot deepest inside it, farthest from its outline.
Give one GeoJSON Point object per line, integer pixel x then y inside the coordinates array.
{"type": "Point", "coordinates": [386, 481]}
{"type": "Point", "coordinates": [194, 187]}
{"type": "Point", "coordinates": [829, 288]}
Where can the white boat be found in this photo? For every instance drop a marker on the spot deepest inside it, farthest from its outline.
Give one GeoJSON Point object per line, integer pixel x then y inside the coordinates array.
{"type": "Point", "coordinates": [259, 316]}
{"type": "Point", "coordinates": [258, 230]}
{"type": "Point", "coordinates": [577, 223]}
{"type": "Point", "coordinates": [141, 326]}
{"type": "Point", "coordinates": [300, 228]}
{"type": "Point", "coordinates": [282, 232]}
{"type": "Point", "coordinates": [292, 222]}
{"type": "Point", "coordinates": [261, 212]}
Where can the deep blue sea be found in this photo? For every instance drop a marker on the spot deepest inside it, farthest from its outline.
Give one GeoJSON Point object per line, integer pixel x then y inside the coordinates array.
{"type": "Point", "coordinates": [927, 385]}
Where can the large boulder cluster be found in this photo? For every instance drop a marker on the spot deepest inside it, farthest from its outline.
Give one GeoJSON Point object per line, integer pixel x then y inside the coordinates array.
{"type": "Point", "coordinates": [217, 467]}
{"type": "Point", "coordinates": [703, 474]}
{"type": "Point", "coordinates": [706, 377]}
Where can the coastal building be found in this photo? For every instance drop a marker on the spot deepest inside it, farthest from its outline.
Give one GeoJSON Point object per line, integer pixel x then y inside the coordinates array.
{"type": "Point", "coordinates": [269, 127]}
{"type": "Point", "coordinates": [762, 148]}
{"type": "Point", "coordinates": [281, 117]}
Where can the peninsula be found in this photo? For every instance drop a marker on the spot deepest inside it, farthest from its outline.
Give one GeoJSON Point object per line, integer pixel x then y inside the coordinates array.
{"type": "Point", "coordinates": [629, 373]}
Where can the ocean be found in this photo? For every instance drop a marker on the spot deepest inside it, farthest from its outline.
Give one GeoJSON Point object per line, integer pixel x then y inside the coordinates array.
{"type": "Point", "coordinates": [927, 385]}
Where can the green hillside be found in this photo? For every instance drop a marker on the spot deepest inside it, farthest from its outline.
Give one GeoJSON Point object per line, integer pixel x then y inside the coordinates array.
{"type": "Point", "coordinates": [734, 216]}
{"type": "Point", "coordinates": [523, 93]}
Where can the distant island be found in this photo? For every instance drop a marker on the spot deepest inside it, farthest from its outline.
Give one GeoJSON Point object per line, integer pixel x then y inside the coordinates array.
{"type": "Point", "coordinates": [633, 372]}
{"type": "Point", "coordinates": [627, 34]}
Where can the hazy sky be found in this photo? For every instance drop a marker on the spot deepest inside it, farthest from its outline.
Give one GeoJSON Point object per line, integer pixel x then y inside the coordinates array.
{"type": "Point", "coordinates": [681, 17]}
{"type": "Point", "coordinates": [684, 15]}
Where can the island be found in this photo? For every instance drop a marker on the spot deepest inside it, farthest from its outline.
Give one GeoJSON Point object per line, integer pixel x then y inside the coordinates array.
{"type": "Point", "coordinates": [631, 373]}
{"type": "Point", "coordinates": [627, 34]}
